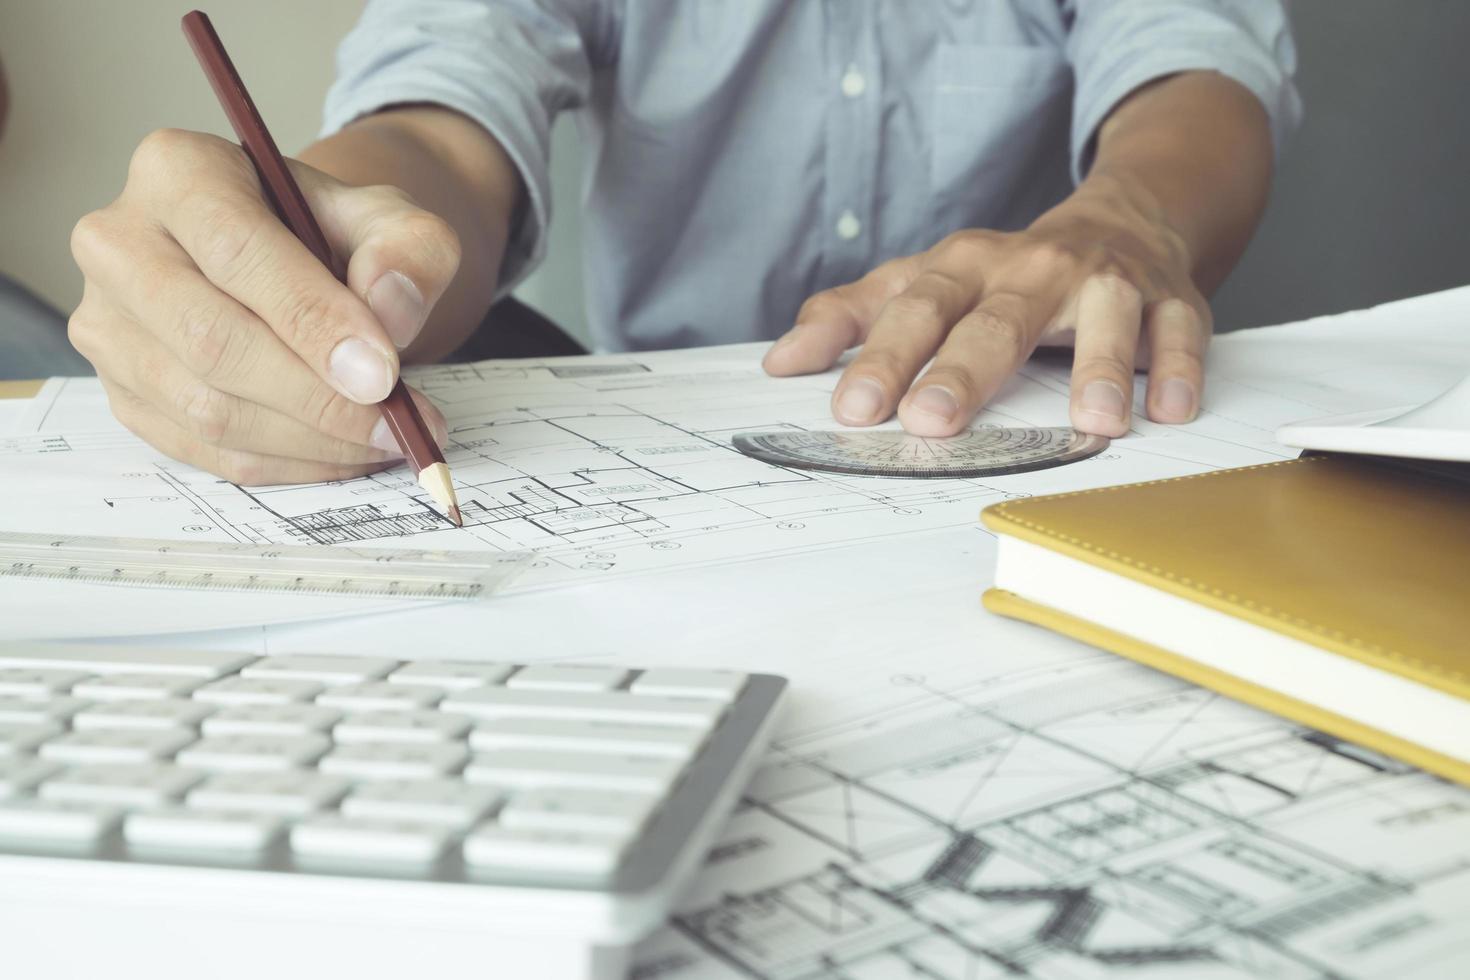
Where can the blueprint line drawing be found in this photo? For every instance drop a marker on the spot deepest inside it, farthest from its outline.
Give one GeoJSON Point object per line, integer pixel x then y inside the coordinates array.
{"type": "Point", "coordinates": [582, 489]}
{"type": "Point", "coordinates": [25, 445]}
{"type": "Point", "coordinates": [602, 466]}
{"type": "Point", "coordinates": [591, 475]}
{"type": "Point", "coordinates": [956, 797]}
{"type": "Point", "coordinates": [1095, 820]}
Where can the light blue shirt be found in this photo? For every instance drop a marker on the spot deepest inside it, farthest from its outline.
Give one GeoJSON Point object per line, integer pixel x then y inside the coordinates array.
{"type": "Point", "coordinates": [743, 154]}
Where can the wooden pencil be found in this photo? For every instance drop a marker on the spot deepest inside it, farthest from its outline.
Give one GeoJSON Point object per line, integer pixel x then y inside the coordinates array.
{"type": "Point", "coordinates": [400, 412]}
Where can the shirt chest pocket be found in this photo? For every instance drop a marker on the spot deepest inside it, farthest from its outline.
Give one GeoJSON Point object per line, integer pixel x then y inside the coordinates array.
{"type": "Point", "coordinates": [994, 109]}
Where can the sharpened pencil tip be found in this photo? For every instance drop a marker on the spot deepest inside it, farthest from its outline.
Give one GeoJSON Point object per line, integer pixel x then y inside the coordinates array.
{"type": "Point", "coordinates": [436, 480]}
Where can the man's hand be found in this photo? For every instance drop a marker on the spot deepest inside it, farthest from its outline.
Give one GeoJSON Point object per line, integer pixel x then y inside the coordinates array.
{"type": "Point", "coordinates": [224, 343]}
{"type": "Point", "coordinates": [1092, 273]}
{"type": "Point", "coordinates": [1119, 270]}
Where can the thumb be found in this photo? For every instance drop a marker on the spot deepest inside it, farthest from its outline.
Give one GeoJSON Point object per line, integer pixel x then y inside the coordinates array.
{"type": "Point", "coordinates": [400, 258]}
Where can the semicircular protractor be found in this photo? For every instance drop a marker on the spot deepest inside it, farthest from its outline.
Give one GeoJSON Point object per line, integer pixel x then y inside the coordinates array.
{"type": "Point", "coordinates": [986, 450]}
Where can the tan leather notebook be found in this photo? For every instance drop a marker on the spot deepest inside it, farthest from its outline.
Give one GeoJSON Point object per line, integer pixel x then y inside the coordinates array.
{"type": "Point", "coordinates": [1331, 590]}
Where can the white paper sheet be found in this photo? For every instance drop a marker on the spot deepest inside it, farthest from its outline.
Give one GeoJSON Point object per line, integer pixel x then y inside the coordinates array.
{"type": "Point", "coordinates": [621, 465]}
{"type": "Point", "coordinates": [12, 413]}
{"type": "Point", "coordinates": [953, 794]}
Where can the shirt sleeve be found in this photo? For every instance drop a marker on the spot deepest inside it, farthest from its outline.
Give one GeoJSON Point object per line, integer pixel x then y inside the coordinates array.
{"type": "Point", "coordinates": [510, 65]}
{"type": "Point", "coordinates": [1117, 45]}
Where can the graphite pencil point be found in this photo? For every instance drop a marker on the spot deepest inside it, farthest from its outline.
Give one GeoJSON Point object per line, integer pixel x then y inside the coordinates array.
{"type": "Point", "coordinates": [436, 480]}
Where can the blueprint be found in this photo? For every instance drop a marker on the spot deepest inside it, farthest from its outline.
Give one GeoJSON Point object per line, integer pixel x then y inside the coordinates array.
{"type": "Point", "coordinates": [1085, 819]}
{"type": "Point", "coordinates": [952, 796]}
{"type": "Point", "coordinates": [601, 466]}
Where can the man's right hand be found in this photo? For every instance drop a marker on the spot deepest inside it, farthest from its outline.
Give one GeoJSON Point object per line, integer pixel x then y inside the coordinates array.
{"type": "Point", "coordinates": [224, 343]}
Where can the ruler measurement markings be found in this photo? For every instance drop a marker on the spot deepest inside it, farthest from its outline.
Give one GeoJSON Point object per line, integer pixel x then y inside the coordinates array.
{"type": "Point", "coordinates": [256, 568]}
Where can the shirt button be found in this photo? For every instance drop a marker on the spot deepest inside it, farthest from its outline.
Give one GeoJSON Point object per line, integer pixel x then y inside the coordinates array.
{"type": "Point", "coordinates": [848, 226]}
{"type": "Point", "coordinates": [853, 83]}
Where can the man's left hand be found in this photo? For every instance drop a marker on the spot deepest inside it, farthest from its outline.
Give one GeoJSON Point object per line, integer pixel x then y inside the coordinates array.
{"type": "Point", "coordinates": [1099, 272]}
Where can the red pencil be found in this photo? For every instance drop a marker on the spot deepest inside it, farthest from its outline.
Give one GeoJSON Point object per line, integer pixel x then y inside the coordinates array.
{"type": "Point", "coordinates": [402, 415]}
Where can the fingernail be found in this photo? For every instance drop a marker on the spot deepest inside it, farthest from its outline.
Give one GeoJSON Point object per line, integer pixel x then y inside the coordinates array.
{"type": "Point", "coordinates": [382, 438]}
{"type": "Point", "coordinates": [361, 371]}
{"type": "Point", "coordinates": [937, 401]}
{"type": "Point", "coordinates": [860, 402]}
{"type": "Point", "coordinates": [1176, 400]}
{"type": "Point", "coordinates": [399, 306]}
{"type": "Point", "coordinates": [1103, 398]}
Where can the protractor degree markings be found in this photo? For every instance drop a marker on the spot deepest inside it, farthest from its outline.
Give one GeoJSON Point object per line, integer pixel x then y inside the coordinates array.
{"type": "Point", "coordinates": [990, 450]}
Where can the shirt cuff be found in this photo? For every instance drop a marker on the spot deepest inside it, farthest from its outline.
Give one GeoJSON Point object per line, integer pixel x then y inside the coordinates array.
{"type": "Point", "coordinates": [1280, 99]}
{"type": "Point", "coordinates": [525, 246]}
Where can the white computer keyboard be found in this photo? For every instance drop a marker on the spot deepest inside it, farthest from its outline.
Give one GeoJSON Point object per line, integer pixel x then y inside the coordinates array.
{"type": "Point", "coordinates": [580, 792]}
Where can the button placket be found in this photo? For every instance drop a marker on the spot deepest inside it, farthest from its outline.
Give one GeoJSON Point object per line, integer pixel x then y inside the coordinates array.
{"type": "Point", "coordinates": [853, 64]}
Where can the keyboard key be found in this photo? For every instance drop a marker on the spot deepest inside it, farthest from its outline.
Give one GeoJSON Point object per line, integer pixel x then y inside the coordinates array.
{"type": "Point", "coordinates": [129, 785]}
{"type": "Point", "coordinates": [580, 810]}
{"type": "Point", "coordinates": [672, 741]}
{"type": "Point", "coordinates": [155, 714]}
{"type": "Point", "coordinates": [369, 840]}
{"type": "Point", "coordinates": [387, 760]}
{"type": "Point", "coordinates": [525, 768]}
{"type": "Point", "coordinates": [382, 696]}
{"type": "Point", "coordinates": [182, 829]}
{"type": "Point", "coordinates": [545, 774]}
{"type": "Point", "coordinates": [117, 745]}
{"type": "Point", "coordinates": [37, 682]}
{"type": "Point", "coordinates": [21, 739]}
{"type": "Point", "coordinates": [254, 753]}
{"type": "Point", "coordinates": [271, 719]}
{"type": "Point", "coordinates": [326, 670]}
{"type": "Point", "coordinates": [567, 677]}
{"type": "Point", "coordinates": [246, 690]}
{"type": "Point", "coordinates": [29, 711]}
{"type": "Point", "coordinates": [288, 792]}
{"type": "Point", "coordinates": [520, 849]}
{"type": "Point", "coordinates": [439, 801]}
{"type": "Point", "coordinates": [499, 702]}
{"type": "Point", "coordinates": [459, 675]}
{"type": "Point", "coordinates": [43, 820]}
{"type": "Point", "coordinates": [131, 687]}
{"type": "Point", "coordinates": [125, 660]}
{"type": "Point", "coordinates": [717, 685]}
{"type": "Point", "coordinates": [400, 726]}
{"type": "Point", "coordinates": [19, 773]}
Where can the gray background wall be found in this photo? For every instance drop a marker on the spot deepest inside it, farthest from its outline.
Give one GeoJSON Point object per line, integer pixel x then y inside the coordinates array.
{"type": "Point", "coordinates": [1373, 202]}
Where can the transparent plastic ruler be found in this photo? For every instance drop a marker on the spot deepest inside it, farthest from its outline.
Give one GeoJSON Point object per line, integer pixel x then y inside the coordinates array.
{"type": "Point", "coordinates": [385, 573]}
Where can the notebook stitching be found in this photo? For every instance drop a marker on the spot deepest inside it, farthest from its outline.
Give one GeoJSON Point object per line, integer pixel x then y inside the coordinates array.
{"type": "Point", "coordinates": [1266, 610]}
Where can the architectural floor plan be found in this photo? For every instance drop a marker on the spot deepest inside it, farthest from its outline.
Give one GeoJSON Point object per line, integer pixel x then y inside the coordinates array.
{"type": "Point", "coordinates": [953, 796]}
{"type": "Point", "coordinates": [601, 466]}
{"type": "Point", "coordinates": [1088, 819]}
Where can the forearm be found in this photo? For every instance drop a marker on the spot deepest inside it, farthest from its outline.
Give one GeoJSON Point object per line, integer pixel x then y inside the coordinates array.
{"type": "Point", "coordinates": [1190, 155]}
{"type": "Point", "coordinates": [452, 167]}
